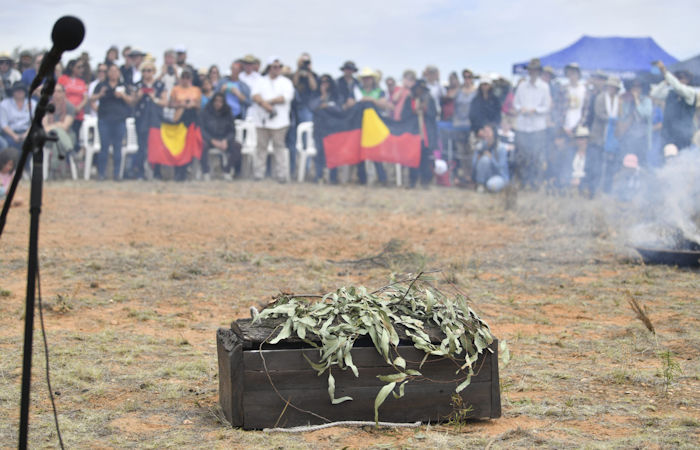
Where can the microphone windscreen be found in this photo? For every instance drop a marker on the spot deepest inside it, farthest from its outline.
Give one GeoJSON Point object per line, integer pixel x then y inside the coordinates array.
{"type": "Point", "coordinates": [68, 32]}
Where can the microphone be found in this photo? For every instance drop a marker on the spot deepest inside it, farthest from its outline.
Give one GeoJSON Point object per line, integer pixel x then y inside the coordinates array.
{"type": "Point", "coordinates": [67, 34]}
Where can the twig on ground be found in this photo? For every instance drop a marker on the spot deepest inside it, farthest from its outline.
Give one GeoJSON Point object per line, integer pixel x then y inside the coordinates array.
{"type": "Point", "coordinates": [641, 313]}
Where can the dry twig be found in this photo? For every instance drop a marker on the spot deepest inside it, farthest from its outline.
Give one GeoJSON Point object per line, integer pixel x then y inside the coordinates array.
{"type": "Point", "coordinates": [641, 313]}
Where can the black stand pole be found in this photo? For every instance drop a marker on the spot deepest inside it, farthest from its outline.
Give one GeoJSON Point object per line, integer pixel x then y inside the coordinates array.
{"type": "Point", "coordinates": [34, 143]}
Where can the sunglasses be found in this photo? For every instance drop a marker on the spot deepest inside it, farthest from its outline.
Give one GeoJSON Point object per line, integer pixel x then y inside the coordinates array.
{"type": "Point", "coordinates": [276, 66]}
{"type": "Point", "coordinates": [147, 70]}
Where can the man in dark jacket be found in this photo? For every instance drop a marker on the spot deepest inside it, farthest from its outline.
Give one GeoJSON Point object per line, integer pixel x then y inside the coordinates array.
{"type": "Point", "coordinates": [681, 102]}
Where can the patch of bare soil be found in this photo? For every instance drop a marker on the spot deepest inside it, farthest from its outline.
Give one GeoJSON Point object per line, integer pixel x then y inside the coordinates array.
{"type": "Point", "coordinates": [137, 277]}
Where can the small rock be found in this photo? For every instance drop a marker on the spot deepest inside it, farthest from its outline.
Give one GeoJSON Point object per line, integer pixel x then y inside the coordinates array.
{"type": "Point", "coordinates": [187, 422]}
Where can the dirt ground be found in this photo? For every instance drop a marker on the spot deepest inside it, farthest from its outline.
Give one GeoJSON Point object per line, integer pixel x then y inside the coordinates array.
{"type": "Point", "coordinates": [137, 277]}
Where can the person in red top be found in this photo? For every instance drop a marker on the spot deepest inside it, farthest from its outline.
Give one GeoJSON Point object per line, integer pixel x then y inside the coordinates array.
{"type": "Point", "coordinates": [76, 91]}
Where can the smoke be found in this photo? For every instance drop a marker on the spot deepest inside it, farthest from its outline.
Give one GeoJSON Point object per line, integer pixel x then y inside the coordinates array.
{"type": "Point", "coordinates": [667, 206]}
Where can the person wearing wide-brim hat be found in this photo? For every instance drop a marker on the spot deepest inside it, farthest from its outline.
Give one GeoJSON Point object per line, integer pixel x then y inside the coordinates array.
{"type": "Point", "coordinates": [250, 74]}
{"type": "Point", "coordinates": [614, 82]}
{"type": "Point", "coordinates": [603, 158]}
{"type": "Point", "coordinates": [369, 91]}
{"type": "Point", "coordinates": [348, 65]}
{"type": "Point", "coordinates": [532, 103]}
{"type": "Point", "coordinates": [14, 116]}
{"type": "Point", "coordinates": [347, 84]}
{"type": "Point", "coordinates": [367, 72]}
{"type": "Point", "coordinates": [272, 98]}
{"type": "Point", "coordinates": [548, 74]}
{"type": "Point", "coordinates": [8, 74]}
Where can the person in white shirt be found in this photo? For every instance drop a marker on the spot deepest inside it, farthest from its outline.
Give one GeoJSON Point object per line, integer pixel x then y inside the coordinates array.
{"type": "Point", "coordinates": [532, 103]}
{"type": "Point", "coordinates": [249, 75]}
{"type": "Point", "coordinates": [575, 95]}
{"type": "Point", "coordinates": [272, 99]}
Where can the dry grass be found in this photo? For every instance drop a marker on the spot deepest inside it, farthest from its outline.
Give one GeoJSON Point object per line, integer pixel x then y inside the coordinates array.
{"type": "Point", "coordinates": [139, 277]}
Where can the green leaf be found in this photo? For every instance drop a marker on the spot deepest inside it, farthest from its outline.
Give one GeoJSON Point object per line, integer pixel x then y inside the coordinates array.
{"type": "Point", "coordinates": [384, 343]}
{"type": "Point", "coordinates": [413, 372]}
{"type": "Point", "coordinates": [392, 377]}
{"type": "Point", "coordinates": [319, 367]}
{"type": "Point", "coordinates": [301, 331]}
{"type": "Point", "coordinates": [401, 390]}
{"type": "Point", "coordinates": [349, 363]}
{"type": "Point", "coordinates": [331, 391]}
{"type": "Point", "coordinates": [285, 333]}
{"type": "Point", "coordinates": [400, 362]}
{"type": "Point", "coordinates": [463, 384]}
{"type": "Point", "coordinates": [381, 396]}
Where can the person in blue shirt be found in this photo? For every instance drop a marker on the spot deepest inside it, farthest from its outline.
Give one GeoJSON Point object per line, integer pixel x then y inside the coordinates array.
{"type": "Point", "coordinates": [237, 93]}
{"type": "Point", "coordinates": [490, 161]}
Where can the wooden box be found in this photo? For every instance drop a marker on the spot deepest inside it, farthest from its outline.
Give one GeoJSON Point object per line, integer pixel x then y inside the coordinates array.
{"type": "Point", "coordinates": [247, 374]}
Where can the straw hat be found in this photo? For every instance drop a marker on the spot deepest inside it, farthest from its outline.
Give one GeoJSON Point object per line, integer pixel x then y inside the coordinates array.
{"type": "Point", "coordinates": [249, 59]}
{"type": "Point", "coordinates": [368, 72]}
{"type": "Point", "coordinates": [614, 82]}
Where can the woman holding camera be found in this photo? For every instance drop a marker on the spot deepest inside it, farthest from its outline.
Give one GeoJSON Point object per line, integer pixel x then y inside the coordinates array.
{"type": "Point", "coordinates": [115, 98]}
{"type": "Point", "coordinates": [150, 98]}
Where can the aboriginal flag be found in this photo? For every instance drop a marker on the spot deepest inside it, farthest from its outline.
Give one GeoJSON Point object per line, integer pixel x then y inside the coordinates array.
{"type": "Point", "coordinates": [358, 134]}
{"type": "Point", "coordinates": [174, 144]}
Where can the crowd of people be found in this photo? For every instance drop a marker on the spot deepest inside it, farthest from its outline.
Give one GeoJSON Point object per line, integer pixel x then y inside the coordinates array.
{"type": "Point", "coordinates": [477, 130]}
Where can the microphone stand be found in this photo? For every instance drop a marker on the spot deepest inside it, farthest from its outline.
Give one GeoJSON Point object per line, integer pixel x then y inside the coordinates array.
{"type": "Point", "coordinates": [34, 143]}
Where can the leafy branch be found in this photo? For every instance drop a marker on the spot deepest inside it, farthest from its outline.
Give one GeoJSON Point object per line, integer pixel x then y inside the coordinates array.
{"type": "Point", "coordinates": [335, 322]}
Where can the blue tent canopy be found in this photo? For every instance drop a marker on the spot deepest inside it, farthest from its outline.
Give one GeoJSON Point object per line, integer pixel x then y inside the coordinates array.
{"type": "Point", "coordinates": [621, 56]}
{"type": "Point", "coordinates": [691, 65]}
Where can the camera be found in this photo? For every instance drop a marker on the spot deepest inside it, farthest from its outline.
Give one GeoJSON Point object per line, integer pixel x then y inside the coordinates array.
{"type": "Point", "coordinates": [171, 70]}
{"type": "Point", "coordinates": [305, 65]}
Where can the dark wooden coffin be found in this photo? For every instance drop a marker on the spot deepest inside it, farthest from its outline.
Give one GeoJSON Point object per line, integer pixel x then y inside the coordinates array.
{"type": "Point", "coordinates": [248, 372]}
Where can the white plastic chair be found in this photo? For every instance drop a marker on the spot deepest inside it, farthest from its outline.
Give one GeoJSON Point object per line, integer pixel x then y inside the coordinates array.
{"type": "Point", "coordinates": [91, 146]}
{"type": "Point", "coordinates": [248, 138]}
{"type": "Point", "coordinates": [131, 145]}
{"type": "Point", "coordinates": [47, 163]}
{"type": "Point", "coordinates": [306, 148]}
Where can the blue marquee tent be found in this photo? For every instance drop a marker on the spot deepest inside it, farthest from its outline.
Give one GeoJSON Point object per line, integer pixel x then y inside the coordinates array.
{"type": "Point", "coordinates": [691, 65]}
{"type": "Point", "coordinates": [620, 56]}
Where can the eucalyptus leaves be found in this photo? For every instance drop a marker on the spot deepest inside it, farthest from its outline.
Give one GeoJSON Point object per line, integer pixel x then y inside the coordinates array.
{"type": "Point", "coordinates": [334, 324]}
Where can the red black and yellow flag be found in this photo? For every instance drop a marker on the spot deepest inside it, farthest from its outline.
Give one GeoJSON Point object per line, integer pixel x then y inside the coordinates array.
{"type": "Point", "coordinates": [174, 144]}
{"type": "Point", "coordinates": [359, 134]}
